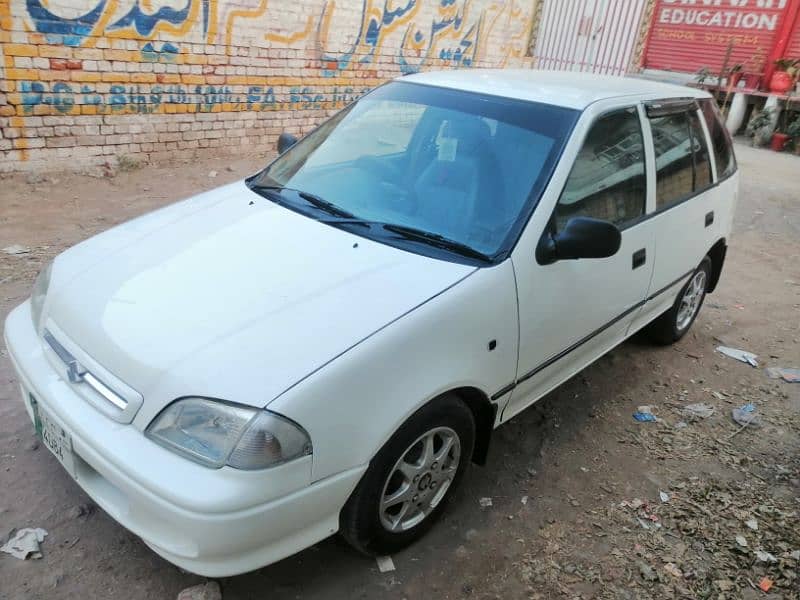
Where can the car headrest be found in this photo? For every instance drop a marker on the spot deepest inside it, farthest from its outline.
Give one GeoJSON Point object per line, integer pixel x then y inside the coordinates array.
{"type": "Point", "coordinates": [472, 133]}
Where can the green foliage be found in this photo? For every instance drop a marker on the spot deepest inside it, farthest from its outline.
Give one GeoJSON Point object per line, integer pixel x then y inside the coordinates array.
{"type": "Point", "coordinates": [793, 129]}
{"type": "Point", "coordinates": [128, 163]}
{"type": "Point", "coordinates": [703, 74]}
{"type": "Point", "coordinates": [761, 126]}
{"type": "Point", "coordinates": [759, 121]}
{"type": "Point", "coordinates": [787, 64]}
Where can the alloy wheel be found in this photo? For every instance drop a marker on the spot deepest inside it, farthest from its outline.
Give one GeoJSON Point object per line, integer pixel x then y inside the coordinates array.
{"type": "Point", "coordinates": [690, 303]}
{"type": "Point", "coordinates": [420, 479]}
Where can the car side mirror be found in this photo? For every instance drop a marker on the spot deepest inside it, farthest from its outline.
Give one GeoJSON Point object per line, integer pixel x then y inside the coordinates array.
{"type": "Point", "coordinates": [583, 237]}
{"type": "Point", "coordinates": [285, 141]}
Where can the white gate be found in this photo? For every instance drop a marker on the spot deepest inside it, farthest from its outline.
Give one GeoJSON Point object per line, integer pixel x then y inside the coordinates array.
{"type": "Point", "coordinates": [597, 36]}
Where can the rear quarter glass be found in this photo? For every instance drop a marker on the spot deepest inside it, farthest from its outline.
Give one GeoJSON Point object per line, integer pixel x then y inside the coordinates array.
{"type": "Point", "coordinates": [721, 141]}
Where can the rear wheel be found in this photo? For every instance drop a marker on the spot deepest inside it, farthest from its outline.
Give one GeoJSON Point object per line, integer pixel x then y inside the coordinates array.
{"type": "Point", "coordinates": [411, 479]}
{"type": "Point", "coordinates": [673, 324]}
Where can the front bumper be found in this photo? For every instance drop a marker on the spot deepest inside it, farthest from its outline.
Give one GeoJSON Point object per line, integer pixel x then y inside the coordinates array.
{"type": "Point", "coordinates": [211, 522]}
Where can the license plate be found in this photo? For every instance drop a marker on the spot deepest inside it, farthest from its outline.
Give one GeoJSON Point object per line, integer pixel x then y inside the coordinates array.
{"type": "Point", "coordinates": [57, 440]}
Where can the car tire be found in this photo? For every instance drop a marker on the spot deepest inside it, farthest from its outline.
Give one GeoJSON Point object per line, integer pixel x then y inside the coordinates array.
{"type": "Point", "coordinates": [676, 322]}
{"type": "Point", "coordinates": [401, 494]}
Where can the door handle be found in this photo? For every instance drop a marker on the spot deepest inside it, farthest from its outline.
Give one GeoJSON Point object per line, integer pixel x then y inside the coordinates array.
{"type": "Point", "coordinates": [709, 218]}
{"type": "Point", "coordinates": [639, 258]}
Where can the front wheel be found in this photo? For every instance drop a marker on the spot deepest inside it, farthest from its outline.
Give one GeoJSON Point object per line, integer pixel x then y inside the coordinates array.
{"type": "Point", "coordinates": [673, 324]}
{"type": "Point", "coordinates": [410, 480]}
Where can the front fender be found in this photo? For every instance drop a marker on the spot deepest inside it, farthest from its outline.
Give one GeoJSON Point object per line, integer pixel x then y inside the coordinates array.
{"type": "Point", "coordinates": [354, 404]}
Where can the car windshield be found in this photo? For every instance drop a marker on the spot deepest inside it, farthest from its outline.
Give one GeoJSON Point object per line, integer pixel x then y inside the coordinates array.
{"type": "Point", "coordinates": [443, 171]}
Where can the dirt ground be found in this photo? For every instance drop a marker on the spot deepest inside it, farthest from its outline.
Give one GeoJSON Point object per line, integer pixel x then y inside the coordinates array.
{"type": "Point", "coordinates": [575, 481]}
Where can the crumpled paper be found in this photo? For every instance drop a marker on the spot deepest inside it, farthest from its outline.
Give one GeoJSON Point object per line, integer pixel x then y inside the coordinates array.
{"type": "Point", "coordinates": [25, 544]}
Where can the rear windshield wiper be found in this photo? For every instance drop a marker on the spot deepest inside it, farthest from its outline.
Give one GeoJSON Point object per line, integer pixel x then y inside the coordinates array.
{"type": "Point", "coordinates": [439, 241]}
{"type": "Point", "coordinates": [313, 199]}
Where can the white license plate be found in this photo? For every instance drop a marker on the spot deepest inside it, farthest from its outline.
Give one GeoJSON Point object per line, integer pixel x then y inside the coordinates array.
{"type": "Point", "coordinates": [57, 440]}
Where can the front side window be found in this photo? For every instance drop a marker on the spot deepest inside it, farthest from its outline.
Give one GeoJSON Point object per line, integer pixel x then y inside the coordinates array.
{"type": "Point", "coordinates": [608, 179]}
{"type": "Point", "coordinates": [682, 161]}
{"type": "Point", "coordinates": [720, 139]}
{"type": "Point", "coordinates": [412, 165]}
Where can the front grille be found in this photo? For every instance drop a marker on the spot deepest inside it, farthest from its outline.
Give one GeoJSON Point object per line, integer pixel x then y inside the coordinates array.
{"type": "Point", "coordinates": [78, 374]}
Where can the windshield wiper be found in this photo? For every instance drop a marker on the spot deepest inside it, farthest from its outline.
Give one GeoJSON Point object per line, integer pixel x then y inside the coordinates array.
{"type": "Point", "coordinates": [323, 204]}
{"type": "Point", "coordinates": [439, 241]}
{"type": "Point", "coordinates": [313, 199]}
{"type": "Point", "coordinates": [350, 221]}
{"type": "Point", "coordinates": [344, 217]}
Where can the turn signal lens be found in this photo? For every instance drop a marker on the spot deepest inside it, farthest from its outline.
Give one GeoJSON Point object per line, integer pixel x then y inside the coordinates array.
{"type": "Point", "coordinates": [269, 440]}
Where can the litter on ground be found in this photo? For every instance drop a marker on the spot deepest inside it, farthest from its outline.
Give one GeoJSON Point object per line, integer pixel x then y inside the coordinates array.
{"type": "Point", "coordinates": [740, 355]}
{"type": "Point", "coordinates": [385, 564]}
{"type": "Point", "coordinates": [787, 374]}
{"type": "Point", "coordinates": [205, 591]}
{"type": "Point", "coordinates": [746, 416]}
{"type": "Point", "coordinates": [699, 410]}
{"type": "Point", "coordinates": [765, 556]}
{"type": "Point", "coordinates": [16, 250]}
{"type": "Point", "coordinates": [644, 414]}
{"type": "Point", "coordinates": [24, 543]}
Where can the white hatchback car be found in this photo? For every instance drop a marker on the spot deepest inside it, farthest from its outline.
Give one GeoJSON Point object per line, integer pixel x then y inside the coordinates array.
{"type": "Point", "coordinates": [328, 344]}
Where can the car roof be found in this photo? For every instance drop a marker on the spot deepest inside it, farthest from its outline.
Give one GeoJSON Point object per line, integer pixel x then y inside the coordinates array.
{"type": "Point", "coordinates": [560, 88]}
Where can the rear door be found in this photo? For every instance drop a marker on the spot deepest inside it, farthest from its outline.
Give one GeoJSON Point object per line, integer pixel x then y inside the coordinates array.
{"type": "Point", "coordinates": [686, 218]}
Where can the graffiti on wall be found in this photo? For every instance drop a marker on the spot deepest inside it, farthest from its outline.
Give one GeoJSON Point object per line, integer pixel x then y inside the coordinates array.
{"type": "Point", "coordinates": [412, 33]}
{"type": "Point", "coordinates": [64, 97]}
{"type": "Point", "coordinates": [105, 58]}
{"type": "Point", "coordinates": [104, 17]}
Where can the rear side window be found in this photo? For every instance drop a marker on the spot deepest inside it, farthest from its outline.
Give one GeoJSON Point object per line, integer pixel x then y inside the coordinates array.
{"type": "Point", "coordinates": [720, 139]}
{"type": "Point", "coordinates": [682, 160]}
{"type": "Point", "coordinates": [608, 179]}
{"type": "Point", "coordinates": [673, 146]}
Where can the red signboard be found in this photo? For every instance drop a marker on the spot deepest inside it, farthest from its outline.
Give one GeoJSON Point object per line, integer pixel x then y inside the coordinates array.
{"type": "Point", "coordinates": [687, 35]}
{"type": "Point", "coordinates": [793, 49]}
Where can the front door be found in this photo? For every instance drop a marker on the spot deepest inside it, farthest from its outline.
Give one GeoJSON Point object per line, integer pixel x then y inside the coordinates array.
{"type": "Point", "coordinates": [572, 311]}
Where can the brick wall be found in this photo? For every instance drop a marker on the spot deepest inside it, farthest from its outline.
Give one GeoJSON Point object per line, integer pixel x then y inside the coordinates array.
{"type": "Point", "coordinates": [87, 82]}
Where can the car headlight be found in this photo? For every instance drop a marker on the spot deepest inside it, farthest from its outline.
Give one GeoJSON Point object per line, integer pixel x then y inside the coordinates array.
{"type": "Point", "coordinates": [39, 293]}
{"type": "Point", "coordinates": [215, 433]}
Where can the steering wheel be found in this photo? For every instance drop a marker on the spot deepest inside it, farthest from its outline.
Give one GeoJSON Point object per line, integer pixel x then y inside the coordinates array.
{"type": "Point", "coordinates": [375, 166]}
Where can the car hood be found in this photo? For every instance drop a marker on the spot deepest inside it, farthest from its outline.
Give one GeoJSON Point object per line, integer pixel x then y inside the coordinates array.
{"type": "Point", "coordinates": [229, 295]}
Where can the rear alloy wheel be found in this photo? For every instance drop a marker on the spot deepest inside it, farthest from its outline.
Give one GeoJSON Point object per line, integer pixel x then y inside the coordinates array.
{"type": "Point", "coordinates": [691, 300]}
{"type": "Point", "coordinates": [411, 479]}
{"type": "Point", "coordinates": [673, 324]}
